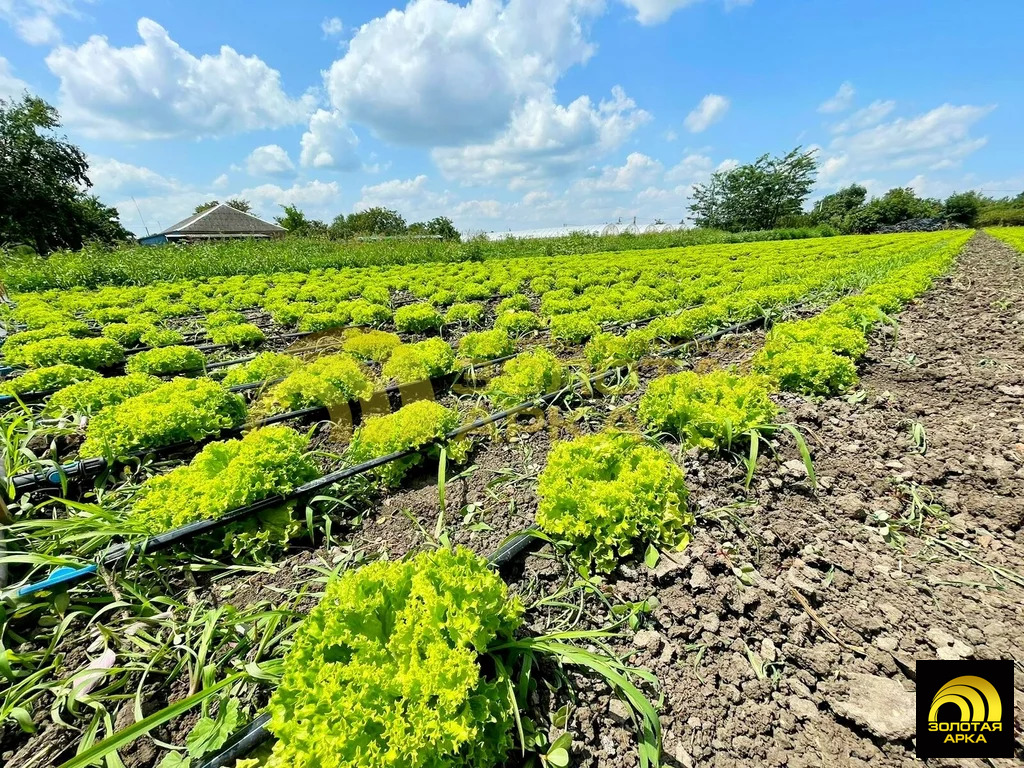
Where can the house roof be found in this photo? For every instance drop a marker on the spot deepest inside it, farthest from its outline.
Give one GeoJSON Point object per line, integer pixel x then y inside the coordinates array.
{"type": "Point", "coordinates": [222, 219]}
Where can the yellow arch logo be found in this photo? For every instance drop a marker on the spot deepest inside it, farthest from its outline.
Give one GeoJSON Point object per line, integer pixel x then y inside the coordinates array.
{"type": "Point", "coordinates": [976, 698]}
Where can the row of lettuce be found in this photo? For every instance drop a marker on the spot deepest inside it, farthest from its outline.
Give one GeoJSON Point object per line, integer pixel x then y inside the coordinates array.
{"type": "Point", "coordinates": [408, 662]}
{"type": "Point", "coordinates": [572, 296]}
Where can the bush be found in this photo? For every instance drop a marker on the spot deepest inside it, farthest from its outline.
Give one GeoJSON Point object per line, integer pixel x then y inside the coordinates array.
{"type": "Point", "coordinates": [371, 345]}
{"type": "Point", "coordinates": [238, 336]}
{"type": "Point", "coordinates": [422, 425]}
{"type": "Point", "coordinates": [526, 376]}
{"type": "Point", "coordinates": [420, 361]}
{"type": "Point", "coordinates": [573, 328]}
{"type": "Point", "coordinates": [43, 379]}
{"type": "Point", "coordinates": [485, 345]}
{"type": "Point", "coordinates": [327, 381]}
{"type": "Point", "coordinates": [227, 475]}
{"type": "Point", "coordinates": [465, 313]}
{"type": "Point", "coordinates": [416, 318]}
{"type": "Point", "coordinates": [167, 360]}
{"type": "Point", "coordinates": [517, 323]}
{"type": "Point", "coordinates": [175, 412]}
{"type": "Point", "coordinates": [387, 669]}
{"type": "Point", "coordinates": [610, 493]}
{"type": "Point", "coordinates": [607, 350]}
{"type": "Point", "coordinates": [809, 369]}
{"type": "Point", "coordinates": [708, 411]}
{"type": "Point", "coordinates": [87, 398]}
{"type": "Point", "coordinates": [266, 366]}
{"type": "Point", "coordinates": [86, 353]}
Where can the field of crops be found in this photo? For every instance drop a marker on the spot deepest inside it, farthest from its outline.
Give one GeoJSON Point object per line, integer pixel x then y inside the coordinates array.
{"type": "Point", "coordinates": [377, 515]}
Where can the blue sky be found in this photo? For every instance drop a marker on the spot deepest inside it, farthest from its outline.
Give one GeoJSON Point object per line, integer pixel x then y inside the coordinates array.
{"type": "Point", "coordinates": [516, 114]}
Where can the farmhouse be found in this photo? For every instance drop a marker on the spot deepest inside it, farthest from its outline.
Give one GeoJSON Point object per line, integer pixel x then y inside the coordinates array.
{"type": "Point", "coordinates": [222, 222]}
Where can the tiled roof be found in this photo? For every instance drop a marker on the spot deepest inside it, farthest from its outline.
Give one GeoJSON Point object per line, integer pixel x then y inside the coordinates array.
{"type": "Point", "coordinates": [222, 219]}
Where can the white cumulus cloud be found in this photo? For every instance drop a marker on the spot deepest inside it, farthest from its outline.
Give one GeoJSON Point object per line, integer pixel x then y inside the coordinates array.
{"type": "Point", "coordinates": [34, 21]}
{"type": "Point", "coordinates": [438, 73]}
{"type": "Point", "coordinates": [545, 140]}
{"type": "Point", "coordinates": [709, 111]}
{"type": "Point", "coordinates": [329, 143]}
{"type": "Point", "coordinates": [269, 160]}
{"type": "Point", "coordinates": [638, 170]}
{"type": "Point", "coordinates": [841, 101]}
{"type": "Point", "coordinates": [159, 90]}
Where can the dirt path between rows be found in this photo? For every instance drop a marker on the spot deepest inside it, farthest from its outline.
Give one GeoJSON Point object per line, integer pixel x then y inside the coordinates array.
{"type": "Point", "coordinates": [837, 610]}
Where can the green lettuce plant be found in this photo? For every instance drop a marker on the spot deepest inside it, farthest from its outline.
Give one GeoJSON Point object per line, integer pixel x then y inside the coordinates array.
{"type": "Point", "coordinates": [610, 494]}
{"type": "Point", "coordinates": [43, 379]}
{"type": "Point", "coordinates": [175, 412]}
{"type": "Point", "coordinates": [327, 381]}
{"type": "Point", "coordinates": [470, 313]}
{"type": "Point", "coordinates": [416, 318]}
{"type": "Point", "coordinates": [517, 323]}
{"type": "Point", "coordinates": [265, 366]}
{"type": "Point", "coordinates": [420, 361]}
{"type": "Point", "coordinates": [809, 369]}
{"type": "Point", "coordinates": [573, 328]}
{"type": "Point", "coordinates": [373, 346]}
{"type": "Point", "coordinates": [164, 361]}
{"type": "Point", "coordinates": [91, 353]}
{"type": "Point", "coordinates": [267, 462]}
{"type": "Point", "coordinates": [606, 350]}
{"type": "Point", "coordinates": [479, 346]}
{"type": "Point", "coordinates": [708, 410]}
{"type": "Point", "coordinates": [238, 336]}
{"type": "Point", "coordinates": [525, 376]}
{"type": "Point", "coordinates": [87, 398]}
{"type": "Point", "coordinates": [422, 424]}
{"type": "Point", "coordinates": [388, 670]}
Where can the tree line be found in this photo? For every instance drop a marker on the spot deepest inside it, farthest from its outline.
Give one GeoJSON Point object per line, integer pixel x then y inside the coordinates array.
{"type": "Point", "coordinates": [772, 193]}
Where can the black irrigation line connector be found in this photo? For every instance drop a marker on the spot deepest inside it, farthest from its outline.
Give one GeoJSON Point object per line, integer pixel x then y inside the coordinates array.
{"type": "Point", "coordinates": [67, 576]}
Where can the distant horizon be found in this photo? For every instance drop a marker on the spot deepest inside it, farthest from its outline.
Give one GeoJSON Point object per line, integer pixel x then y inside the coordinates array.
{"type": "Point", "coordinates": [515, 115]}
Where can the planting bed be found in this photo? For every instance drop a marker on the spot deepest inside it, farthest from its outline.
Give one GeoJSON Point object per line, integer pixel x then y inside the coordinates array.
{"type": "Point", "coordinates": [783, 634]}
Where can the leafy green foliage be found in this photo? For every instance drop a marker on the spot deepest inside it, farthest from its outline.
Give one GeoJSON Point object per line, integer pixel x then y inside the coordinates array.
{"type": "Point", "coordinates": [485, 345]}
{"type": "Point", "coordinates": [386, 671]}
{"type": "Point", "coordinates": [607, 350]}
{"type": "Point", "coordinates": [416, 318]}
{"type": "Point", "coordinates": [823, 332]}
{"type": "Point", "coordinates": [223, 317]}
{"type": "Point", "coordinates": [42, 181]}
{"type": "Point", "coordinates": [710, 410]}
{"type": "Point", "coordinates": [417, 425]}
{"type": "Point", "coordinates": [513, 303]}
{"type": "Point", "coordinates": [327, 381]}
{"type": "Point", "coordinates": [87, 398]}
{"type": "Point", "coordinates": [126, 334]}
{"type": "Point", "coordinates": [608, 494]}
{"type": "Point", "coordinates": [178, 411]}
{"type": "Point", "coordinates": [264, 367]}
{"type": "Point", "coordinates": [226, 475]}
{"type": "Point", "coordinates": [166, 360]}
{"type": "Point", "coordinates": [238, 336]}
{"type": "Point", "coordinates": [469, 312]}
{"type": "Point", "coordinates": [810, 369]}
{"type": "Point", "coordinates": [42, 379]}
{"type": "Point", "coordinates": [573, 328]}
{"type": "Point", "coordinates": [420, 361]}
{"type": "Point", "coordinates": [527, 375]}
{"type": "Point", "coordinates": [375, 346]}
{"type": "Point", "coordinates": [155, 336]}
{"type": "Point", "coordinates": [517, 323]}
{"type": "Point", "coordinates": [17, 340]}
{"type": "Point", "coordinates": [87, 353]}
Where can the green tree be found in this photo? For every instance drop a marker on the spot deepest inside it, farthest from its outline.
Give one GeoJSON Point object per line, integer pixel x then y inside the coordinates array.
{"type": "Point", "coordinates": [294, 221]}
{"type": "Point", "coordinates": [240, 204]}
{"type": "Point", "coordinates": [43, 183]}
{"type": "Point", "coordinates": [204, 207]}
{"type": "Point", "coordinates": [833, 209]}
{"type": "Point", "coordinates": [340, 228]}
{"type": "Point", "coordinates": [443, 226]}
{"type": "Point", "coordinates": [757, 195]}
{"type": "Point", "coordinates": [963, 207]}
{"type": "Point", "coordinates": [377, 221]}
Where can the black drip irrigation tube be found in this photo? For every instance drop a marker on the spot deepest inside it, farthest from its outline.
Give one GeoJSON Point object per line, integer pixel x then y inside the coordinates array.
{"type": "Point", "coordinates": [67, 576]}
